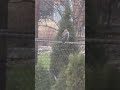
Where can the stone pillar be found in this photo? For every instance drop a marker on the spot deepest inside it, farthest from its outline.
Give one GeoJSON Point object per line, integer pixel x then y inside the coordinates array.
{"type": "Point", "coordinates": [21, 19]}
{"type": "Point", "coordinates": [3, 25]}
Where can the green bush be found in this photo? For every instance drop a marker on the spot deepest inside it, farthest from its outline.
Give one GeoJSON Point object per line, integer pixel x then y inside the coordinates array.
{"type": "Point", "coordinates": [43, 80]}
{"type": "Point", "coordinates": [76, 73]}
{"type": "Point", "coordinates": [72, 77]}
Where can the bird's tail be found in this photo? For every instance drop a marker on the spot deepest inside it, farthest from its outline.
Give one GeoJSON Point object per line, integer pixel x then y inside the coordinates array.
{"type": "Point", "coordinates": [63, 41]}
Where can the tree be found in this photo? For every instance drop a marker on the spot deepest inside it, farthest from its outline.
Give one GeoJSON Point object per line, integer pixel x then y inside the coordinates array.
{"type": "Point", "coordinates": [61, 52]}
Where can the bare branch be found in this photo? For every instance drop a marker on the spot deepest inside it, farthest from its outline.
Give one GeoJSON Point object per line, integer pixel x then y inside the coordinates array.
{"type": "Point", "coordinates": [49, 27]}
{"type": "Point", "coordinates": [54, 21]}
{"type": "Point", "coordinates": [57, 8]}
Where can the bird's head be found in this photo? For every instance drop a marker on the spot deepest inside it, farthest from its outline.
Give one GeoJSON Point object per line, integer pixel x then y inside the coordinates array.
{"type": "Point", "coordinates": [66, 30]}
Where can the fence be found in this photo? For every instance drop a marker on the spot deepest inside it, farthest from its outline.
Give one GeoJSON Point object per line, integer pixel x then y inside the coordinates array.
{"type": "Point", "coordinates": [53, 61]}
{"type": "Point", "coordinates": [56, 55]}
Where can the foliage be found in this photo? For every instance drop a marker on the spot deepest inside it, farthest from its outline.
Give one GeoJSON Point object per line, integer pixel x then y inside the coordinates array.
{"type": "Point", "coordinates": [60, 83]}
{"type": "Point", "coordinates": [73, 77]}
{"type": "Point", "coordinates": [76, 72]}
{"type": "Point", "coordinates": [59, 56]}
{"type": "Point", "coordinates": [43, 80]}
{"type": "Point", "coordinates": [44, 59]}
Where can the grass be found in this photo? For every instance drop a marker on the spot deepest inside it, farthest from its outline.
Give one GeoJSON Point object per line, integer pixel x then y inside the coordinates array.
{"type": "Point", "coordinates": [44, 59]}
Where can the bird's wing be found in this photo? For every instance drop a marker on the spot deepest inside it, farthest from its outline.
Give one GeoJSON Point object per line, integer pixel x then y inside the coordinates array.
{"type": "Point", "coordinates": [68, 34]}
{"type": "Point", "coordinates": [63, 34]}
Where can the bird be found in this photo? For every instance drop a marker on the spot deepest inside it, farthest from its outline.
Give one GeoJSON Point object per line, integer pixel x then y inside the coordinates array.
{"type": "Point", "coordinates": [65, 36]}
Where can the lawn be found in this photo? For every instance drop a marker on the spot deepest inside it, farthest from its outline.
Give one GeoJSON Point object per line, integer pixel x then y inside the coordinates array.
{"type": "Point", "coordinates": [44, 59]}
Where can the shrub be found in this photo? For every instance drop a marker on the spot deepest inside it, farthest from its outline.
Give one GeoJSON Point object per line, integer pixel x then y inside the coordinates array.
{"type": "Point", "coordinates": [43, 80]}
{"type": "Point", "coordinates": [72, 77]}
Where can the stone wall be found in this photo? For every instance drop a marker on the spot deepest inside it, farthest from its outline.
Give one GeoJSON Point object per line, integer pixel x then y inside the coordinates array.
{"type": "Point", "coordinates": [21, 28]}
{"type": "Point", "coordinates": [21, 15]}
